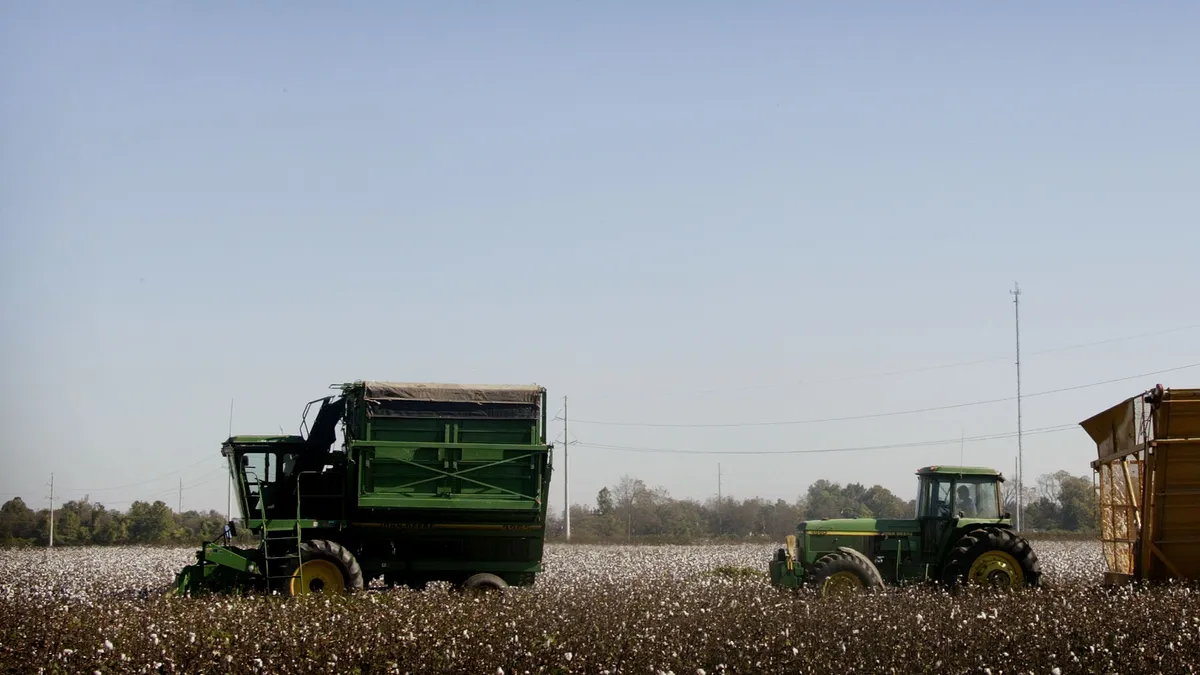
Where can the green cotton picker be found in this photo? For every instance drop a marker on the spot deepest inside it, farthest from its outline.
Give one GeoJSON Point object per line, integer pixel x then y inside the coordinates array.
{"type": "Point", "coordinates": [431, 482]}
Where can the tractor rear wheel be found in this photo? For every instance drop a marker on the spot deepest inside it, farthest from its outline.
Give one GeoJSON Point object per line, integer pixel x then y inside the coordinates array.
{"type": "Point", "coordinates": [840, 573]}
{"type": "Point", "coordinates": [327, 567]}
{"type": "Point", "coordinates": [993, 557]}
{"type": "Point", "coordinates": [484, 581]}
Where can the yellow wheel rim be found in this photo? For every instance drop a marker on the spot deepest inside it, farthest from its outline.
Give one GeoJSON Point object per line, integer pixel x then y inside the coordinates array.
{"type": "Point", "coordinates": [998, 569]}
{"type": "Point", "coordinates": [318, 576]}
{"type": "Point", "coordinates": [842, 583]}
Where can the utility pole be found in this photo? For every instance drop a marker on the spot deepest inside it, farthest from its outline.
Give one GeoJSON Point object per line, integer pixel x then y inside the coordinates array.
{"type": "Point", "coordinates": [718, 499]}
{"type": "Point", "coordinates": [566, 475]}
{"type": "Point", "coordinates": [180, 509]}
{"type": "Point", "coordinates": [1014, 466]}
{"type": "Point", "coordinates": [1016, 293]}
{"type": "Point", "coordinates": [51, 510]}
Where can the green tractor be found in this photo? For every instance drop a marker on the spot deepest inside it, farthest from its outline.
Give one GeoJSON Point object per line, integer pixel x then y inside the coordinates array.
{"type": "Point", "coordinates": [960, 534]}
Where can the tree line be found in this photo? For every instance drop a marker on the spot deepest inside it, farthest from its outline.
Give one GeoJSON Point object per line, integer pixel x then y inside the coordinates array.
{"type": "Point", "coordinates": [627, 511]}
{"type": "Point", "coordinates": [83, 523]}
{"type": "Point", "coordinates": [632, 511]}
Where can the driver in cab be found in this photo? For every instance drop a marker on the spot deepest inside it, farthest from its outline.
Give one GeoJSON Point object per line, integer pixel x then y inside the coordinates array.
{"type": "Point", "coordinates": [966, 506]}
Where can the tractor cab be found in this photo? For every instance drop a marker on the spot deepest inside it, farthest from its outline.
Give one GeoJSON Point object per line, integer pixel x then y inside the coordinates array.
{"type": "Point", "coordinates": [949, 498]}
{"type": "Point", "coordinates": [274, 474]}
{"type": "Point", "coordinates": [264, 470]}
{"type": "Point", "coordinates": [947, 492]}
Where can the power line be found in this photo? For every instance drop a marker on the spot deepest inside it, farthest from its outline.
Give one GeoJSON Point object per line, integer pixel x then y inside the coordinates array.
{"type": "Point", "coordinates": [860, 448]}
{"type": "Point", "coordinates": [920, 369]}
{"type": "Point", "coordinates": [884, 414]}
{"type": "Point", "coordinates": [203, 479]}
{"type": "Point", "coordinates": [149, 480]}
{"type": "Point", "coordinates": [166, 493]}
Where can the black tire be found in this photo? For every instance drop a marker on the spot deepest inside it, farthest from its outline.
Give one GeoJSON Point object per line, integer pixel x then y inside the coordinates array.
{"type": "Point", "coordinates": [840, 566]}
{"type": "Point", "coordinates": [485, 581]}
{"type": "Point", "coordinates": [1002, 546]}
{"type": "Point", "coordinates": [323, 549]}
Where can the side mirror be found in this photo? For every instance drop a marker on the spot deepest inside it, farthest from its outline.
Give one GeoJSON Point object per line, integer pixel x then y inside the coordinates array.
{"type": "Point", "coordinates": [232, 529]}
{"type": "Point", "coordinates": [245, 461]}
{"type": "Point", "coordinates": [1007, 515]}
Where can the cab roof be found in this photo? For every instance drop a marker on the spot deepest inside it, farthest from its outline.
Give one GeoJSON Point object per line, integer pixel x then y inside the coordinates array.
{"type": "Point", "coordinates": [951, 470]}
{"type": "Point", "coordinates": [249, 439]}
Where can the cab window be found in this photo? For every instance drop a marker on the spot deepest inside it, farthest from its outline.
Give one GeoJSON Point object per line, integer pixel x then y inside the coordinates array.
{"type": "Point", "coordinates": [935, 498]}
{"type": "Point", "coordinates": [977, 499]}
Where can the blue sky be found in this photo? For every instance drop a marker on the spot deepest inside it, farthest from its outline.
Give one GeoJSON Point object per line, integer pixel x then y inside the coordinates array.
{"type": "Point", "coordinates": [632, 206]}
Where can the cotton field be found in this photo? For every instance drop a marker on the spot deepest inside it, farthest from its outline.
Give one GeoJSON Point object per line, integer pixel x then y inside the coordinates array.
{"type": "Point", "coordinates": [597, 609]}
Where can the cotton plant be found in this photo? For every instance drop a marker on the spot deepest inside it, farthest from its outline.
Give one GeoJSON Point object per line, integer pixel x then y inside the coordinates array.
{"type": "Point", "coordinates": [613, 608]}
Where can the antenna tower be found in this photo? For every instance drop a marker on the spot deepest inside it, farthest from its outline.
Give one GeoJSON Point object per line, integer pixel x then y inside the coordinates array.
{"type": "Point", "coordinates": [1016, 293]}
{"type": "Point", "coordinates": [566, 476]}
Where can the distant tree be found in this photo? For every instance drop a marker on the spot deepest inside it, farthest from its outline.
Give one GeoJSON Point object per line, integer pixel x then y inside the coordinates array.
{"type": "Point", "coordinates": [110, 527]}
{"type": "Point", "coordinates": [68, 531]}
{"type": "Point", "coordinates": [18, 523]}
{"type": "Point", "coordinates": [150, 523]}
{"type": "Point", "coordinates": [883, 504]}
{"type": "Point", "coordinates": [681, 519]}
{"type": "Point", "coordinates": [604, 502]}
{"type": "Point", "coordinates": [823, 500]}
{"type": "Point", "coordinates": [627, 493]}
{"type": "Point", "coordinates": [783, 518]}
{"type": "Point", "coordinates": [1077, 499]}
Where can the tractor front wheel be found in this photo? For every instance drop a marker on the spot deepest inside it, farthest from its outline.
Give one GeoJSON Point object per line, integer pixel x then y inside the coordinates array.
{"type": "Point", "coordinates": [326, 567]}
{"type": "Point", "coordinates": [992, 557]}
{"type": "Point", "coordinates": [840, 573]}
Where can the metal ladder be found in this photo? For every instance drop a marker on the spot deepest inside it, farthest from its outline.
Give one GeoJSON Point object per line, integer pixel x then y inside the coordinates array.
{"type": "Point", "coordinates": [280, 547]}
